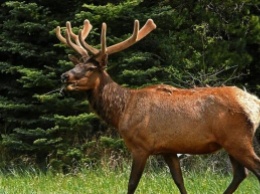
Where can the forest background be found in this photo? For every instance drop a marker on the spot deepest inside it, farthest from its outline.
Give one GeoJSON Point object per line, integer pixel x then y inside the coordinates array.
{"type": "Point", "coordinates": [196, 43]}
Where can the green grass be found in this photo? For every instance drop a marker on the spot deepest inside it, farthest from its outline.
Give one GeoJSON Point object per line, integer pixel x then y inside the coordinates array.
{"type": "Point", "coordinates": [115, 182]}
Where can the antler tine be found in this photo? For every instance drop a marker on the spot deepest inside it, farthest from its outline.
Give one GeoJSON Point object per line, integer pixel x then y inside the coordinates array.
{"type": "Point", "coordinates": [83, 35]}
{"type": "Point", "coordinates": [136, 29]}
{"type": "Point", "coordinates": [59, 36]}
{"type": "Point", "coordinates": [146, 29]}
{"type": "Point", "coordinates": [71, 33]}
{"type": "Point", "coordinates": [103, 39]}
{"type": "Point", "coordinates": [87, 27]}
{"type": "Point", "coordinates": [136, 36]}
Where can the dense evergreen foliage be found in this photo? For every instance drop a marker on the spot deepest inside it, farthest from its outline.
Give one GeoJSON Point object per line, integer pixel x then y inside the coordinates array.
{"type": "Point", "coordinates": [195, 43]}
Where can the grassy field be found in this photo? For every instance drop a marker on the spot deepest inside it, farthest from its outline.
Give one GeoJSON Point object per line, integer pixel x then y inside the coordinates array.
{"type": "Point", "coordinates": [115, 182]}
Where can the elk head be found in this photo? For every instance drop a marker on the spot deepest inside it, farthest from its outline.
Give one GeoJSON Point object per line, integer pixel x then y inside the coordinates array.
{"type": "Point", "coordinates": [88, 68]}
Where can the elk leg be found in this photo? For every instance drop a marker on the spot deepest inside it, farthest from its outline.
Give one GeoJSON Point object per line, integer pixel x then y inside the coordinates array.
{"type": "Point", "coordinates": [244, 153]}
{"type": "Point", "coordinates": [175, 169]}
{"type": "Point", "coordinates": [252, 163]}
{"type": "Point", "coordinates": [138, 164]}
{"type": "Point", "coordinates": [239, 174]}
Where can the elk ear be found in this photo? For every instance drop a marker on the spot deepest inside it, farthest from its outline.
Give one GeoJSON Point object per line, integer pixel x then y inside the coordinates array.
{"type": "Point", "coordinates": [74, 59]}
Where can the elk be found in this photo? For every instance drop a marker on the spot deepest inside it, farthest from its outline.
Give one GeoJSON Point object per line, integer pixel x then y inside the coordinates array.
{"type": "Point", "coordinates": [161, 119]}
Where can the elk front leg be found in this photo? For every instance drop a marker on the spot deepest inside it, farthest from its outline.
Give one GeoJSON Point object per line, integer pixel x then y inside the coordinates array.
{"type": "Point", "coordinates": [174, 164]}
{"type": "Point", "coordinates": [139, 161]}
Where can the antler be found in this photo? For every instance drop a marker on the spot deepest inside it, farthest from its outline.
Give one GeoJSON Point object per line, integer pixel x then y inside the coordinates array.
{"type": "Point", "coordinates": [136, 36]}
{"type": "Point", "coordinates": [76, 45]}
{"type": "Point", "coordinates": [80, 46]}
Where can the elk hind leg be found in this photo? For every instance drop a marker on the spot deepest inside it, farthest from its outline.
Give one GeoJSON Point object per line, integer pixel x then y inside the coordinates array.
{"type": "Point", "coordinates": [252, 163]}
{"type": "Point", "coordinates": [174, 164]}
{"type": "Point", "coordinates": [239, 174]}
{"type": "Point", "coordinates": [243, 152]}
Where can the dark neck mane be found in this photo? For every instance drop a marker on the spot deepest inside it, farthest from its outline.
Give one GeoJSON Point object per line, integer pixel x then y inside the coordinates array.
{"type": "Point", "coordinates": [109, 100]}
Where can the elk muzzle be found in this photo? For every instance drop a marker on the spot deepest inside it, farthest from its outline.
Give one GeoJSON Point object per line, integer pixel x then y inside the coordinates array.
{"type": "Point", "coordinates": [64, 77]}
{"type": "Point", "coordinates": [67, 83]}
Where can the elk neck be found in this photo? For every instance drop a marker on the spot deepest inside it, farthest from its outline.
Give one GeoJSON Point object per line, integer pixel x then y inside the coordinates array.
{"type": "Point", "coordinates": [108, 99]}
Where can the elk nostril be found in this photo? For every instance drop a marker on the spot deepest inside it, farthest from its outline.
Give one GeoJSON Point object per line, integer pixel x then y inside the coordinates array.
{"type": "Point", "coordinates": [64, 77]}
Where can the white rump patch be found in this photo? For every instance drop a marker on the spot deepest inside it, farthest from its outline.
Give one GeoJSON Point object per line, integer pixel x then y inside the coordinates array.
{"type": "Point", "coordinates": [251, 105]}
